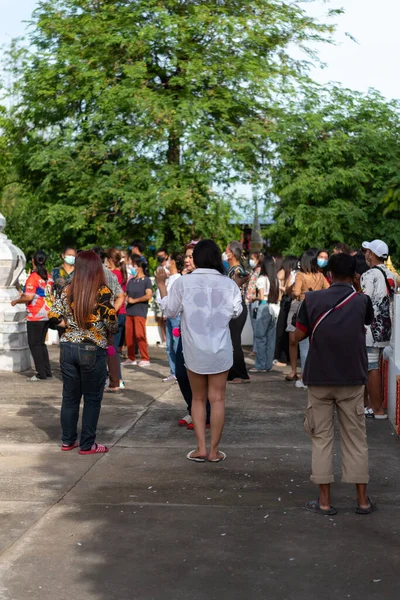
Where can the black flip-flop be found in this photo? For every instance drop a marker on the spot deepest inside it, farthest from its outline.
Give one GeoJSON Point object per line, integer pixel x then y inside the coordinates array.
{"type": "Point", "coordinates": [314, 507]}
{"type": "Point", "coordinates": [366, 511]}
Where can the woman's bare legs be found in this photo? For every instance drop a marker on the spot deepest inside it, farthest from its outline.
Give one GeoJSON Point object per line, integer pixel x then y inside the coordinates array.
{"type": "Point", "coordinates": [293, 352]}
{"type": "Point", "coordinates": [199, 385]}
{"type": "Point", "coordinates": [216, 395]}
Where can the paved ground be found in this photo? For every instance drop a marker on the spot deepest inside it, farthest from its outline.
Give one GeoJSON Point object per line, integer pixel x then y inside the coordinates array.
{"type": "Point", "coordinates": [142, 523]}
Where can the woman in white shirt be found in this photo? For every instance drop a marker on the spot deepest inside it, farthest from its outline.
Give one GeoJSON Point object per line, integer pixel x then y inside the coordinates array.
{"type": "Point", "coordinates": [206, 300]}
{"type": "Point", "coordinates": [267, 316]}
{"type": "Point", "coordinates": [174, 266]}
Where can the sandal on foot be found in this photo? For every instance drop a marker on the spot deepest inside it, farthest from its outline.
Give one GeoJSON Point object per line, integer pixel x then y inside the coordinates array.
{"type": "Point", "coordinates": [199, 459]}
{"type": "Point", "coordinates": [65, 448]}
{"type": "Point", "coordinates": [313, 506]}
{"type": "Point", "coordinates": [108, 390]}
{"type": "Point", "coordinates": [216, 460]}
{"type": "Point", "coordinates": [238, 381]}
{"type": "Point", "coordinates": [366, 511]}
{"type": "Point", "coordinates": [95, 449]}
{"type": "Point", "coordinates": [291, 378]}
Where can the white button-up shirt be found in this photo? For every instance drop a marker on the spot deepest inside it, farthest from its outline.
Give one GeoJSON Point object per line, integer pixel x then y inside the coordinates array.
{"type": "Point", "coordinates": [207, 301]}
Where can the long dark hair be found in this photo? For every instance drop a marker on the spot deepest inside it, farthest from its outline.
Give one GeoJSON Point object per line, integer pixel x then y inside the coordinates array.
{"type": "Point", "coordinates": [268, 269]}
{"type": "Point", "coordinates": [207, 255]}
{"type": "Point", "coordinates": [308, 262]}
{"type": "Point", "coordinates": [40, 258]}
{"type": "Point", "coordinates": [115, 255]}
{"type": "Point", "coordinates": [289, 264]}
{"type": "Point", "coordinates": [84, 288]}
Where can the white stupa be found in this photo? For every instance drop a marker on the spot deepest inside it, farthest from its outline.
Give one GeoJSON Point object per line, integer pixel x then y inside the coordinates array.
{"type": "Point", "coordinates": [14, 351]}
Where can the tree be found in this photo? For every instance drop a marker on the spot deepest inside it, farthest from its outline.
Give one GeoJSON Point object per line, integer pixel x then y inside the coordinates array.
{"type": "Point", "coordinates": [136, 117]}
{"type": "Point", "coordinates": [334, 154]}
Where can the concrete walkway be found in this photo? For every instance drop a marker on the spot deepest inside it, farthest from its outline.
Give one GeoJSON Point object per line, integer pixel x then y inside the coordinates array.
{"type": "Point", "coordinates": [143, 523]}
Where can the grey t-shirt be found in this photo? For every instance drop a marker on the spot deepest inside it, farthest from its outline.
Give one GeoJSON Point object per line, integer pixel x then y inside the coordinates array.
{"type": "Point", "coordinates": [136, 288]}
{"type": "Point", "coordinates": [337, 354]}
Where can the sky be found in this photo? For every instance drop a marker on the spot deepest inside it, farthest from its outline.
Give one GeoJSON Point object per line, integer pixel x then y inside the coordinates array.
{"type": "Point", "coordinates": [369, 63]}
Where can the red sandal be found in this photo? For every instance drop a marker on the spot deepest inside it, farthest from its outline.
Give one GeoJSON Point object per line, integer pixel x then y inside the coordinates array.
{"type": "Point", "coordinates": [71, 447]}
{"type": "Point", "coordinates": [95, 449]}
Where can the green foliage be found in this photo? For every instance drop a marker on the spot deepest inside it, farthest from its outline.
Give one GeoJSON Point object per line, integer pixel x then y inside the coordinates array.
{"type": "Point", "coordinates": [129, 116]}
{"type": "Point", "coordinates": [333, 157]}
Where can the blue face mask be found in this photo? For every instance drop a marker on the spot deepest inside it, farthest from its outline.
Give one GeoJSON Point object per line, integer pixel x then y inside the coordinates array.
{"type": "Point", "coordinates": [132, 271]}
{"type": "Point", "coordinates": [322, 263]}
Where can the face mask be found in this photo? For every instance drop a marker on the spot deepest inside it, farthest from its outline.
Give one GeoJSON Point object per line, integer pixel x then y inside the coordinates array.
{"type": "Point", "coordinates": [132, 271]}
{"type": "Point", "coordinates": [224, 257]}
{"type": "Point", "coordinates": [252, 263]}
{"type": "Point", "coordinates": [70, 260]}
{"type": "Point", "coordinates": [322, 262]}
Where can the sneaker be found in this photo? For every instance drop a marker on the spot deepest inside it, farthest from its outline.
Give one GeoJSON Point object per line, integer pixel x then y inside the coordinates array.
{"type": "Point", "coordinates": [254, 370]}
{"type": "Point", "coordinates": [163, 345]}
{"type": "Point", "coordinates": [128, 362]}
{"type": "Point", "coordinates": [122, 385]}
{"type": "Point", "coordinates": [144, 363]}
{"type": "Point", "coordinates": [300, 385]}
{"type": "Point", "coordinates": [185, 421]}
{"type": "Point", "coordinates": [369, 413]}
{"type": "Point", "coordinates": [169, 378]}
{"type": "Point", "coordinates": [35, 378]}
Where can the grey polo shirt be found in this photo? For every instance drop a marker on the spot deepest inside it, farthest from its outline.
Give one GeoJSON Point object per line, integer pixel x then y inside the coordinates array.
{"type": "Point", "coordinates": [338, 354]}
{"type": "Point", "coordinates": [112, 282]}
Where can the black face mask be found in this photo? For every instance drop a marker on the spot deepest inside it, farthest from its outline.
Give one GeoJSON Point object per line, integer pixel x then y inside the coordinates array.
{"type": "Point", "coordinates": [161, 259]}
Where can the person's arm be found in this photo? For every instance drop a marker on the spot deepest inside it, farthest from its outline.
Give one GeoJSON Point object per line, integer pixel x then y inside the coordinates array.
{"type": "Point", "coordinates": [119, 301]}
{"type": "Point", "coordinates": [56, 314]}
{"type": "Point", "coordinates": [260, 286]}
{"type": "Point", "coordinates": [107, 312]}
{"type": "Point", "coordinates": [29, 293]}
{"type": "Point", "coordinates": [237, 304]}
{"type": "Point", "coordinates": [367, 283]}
{"type": "Point", "coordinates": [148, 295]}
{"type": "Point", "coordinates": [296, 291]}
{"type": "Point", "coordinates": [369, 313]}
{"type": "Point", "coordinates": [303, 329]}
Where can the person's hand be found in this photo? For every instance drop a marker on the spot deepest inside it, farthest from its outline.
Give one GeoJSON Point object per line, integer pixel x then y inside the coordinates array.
{"type": "Point", "coordinates": [131, 301]}
{"type": "Point", "coordinates": [14, 302]}
{"type": "Point", "coordinates": [161, 275]}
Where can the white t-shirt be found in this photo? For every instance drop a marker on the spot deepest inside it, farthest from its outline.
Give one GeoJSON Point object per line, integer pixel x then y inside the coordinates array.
{"type": "Point", "coordinates": [206, 301]}
{"type": "Point", "coordinates": [262, 283]}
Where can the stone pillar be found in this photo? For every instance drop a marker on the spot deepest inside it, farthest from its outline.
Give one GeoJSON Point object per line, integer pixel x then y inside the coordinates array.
{"type": "Point", "coordinates": [14, 351]}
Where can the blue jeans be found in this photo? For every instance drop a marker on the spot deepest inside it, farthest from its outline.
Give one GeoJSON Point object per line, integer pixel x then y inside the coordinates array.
{"type": "Point", "coordinates": [304, 347]}
{"type": "Point", "coordinates": [118, 338]}
{"type": "Point", "coordinates": [172, 343]}
{"type": "Point", "coordinates": [265, 332]}
{"type": "Point", "coordinates": [84, 371]}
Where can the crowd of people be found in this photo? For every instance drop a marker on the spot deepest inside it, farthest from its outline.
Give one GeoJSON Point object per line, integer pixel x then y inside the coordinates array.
{"type": "Point", "coordinates": [331, 310]}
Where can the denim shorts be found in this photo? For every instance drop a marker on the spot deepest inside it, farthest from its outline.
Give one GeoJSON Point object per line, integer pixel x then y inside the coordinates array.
{"type": "Point", "coordinates": [374, 357]}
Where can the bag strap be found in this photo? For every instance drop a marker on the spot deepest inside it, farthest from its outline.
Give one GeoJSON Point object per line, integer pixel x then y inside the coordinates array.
{"type": "Point", "coordinates": [338, 305]}
{"type": "Point", "coordinates": [389, 289]}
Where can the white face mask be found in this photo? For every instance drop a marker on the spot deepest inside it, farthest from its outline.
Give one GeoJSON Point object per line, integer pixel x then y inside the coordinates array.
{"type": "Point", "coordinates": [70, 260]}
{"type": "Point", "coordinates": [224, 257]}
{"type": "Point", "coordinates": [252, 263]}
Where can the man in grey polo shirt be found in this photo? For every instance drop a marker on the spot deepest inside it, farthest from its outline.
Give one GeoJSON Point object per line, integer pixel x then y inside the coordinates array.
{"type": "Point", "coordinates": [336, 373]}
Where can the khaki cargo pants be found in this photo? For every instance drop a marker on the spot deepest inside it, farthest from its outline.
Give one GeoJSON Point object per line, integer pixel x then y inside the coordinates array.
{"type": "Point", "coordinates": [318, 423]}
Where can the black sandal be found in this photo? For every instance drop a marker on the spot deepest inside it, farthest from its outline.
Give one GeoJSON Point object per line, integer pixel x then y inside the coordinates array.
{"type": "Point", "coordinates": [366, 511]}
{"type": "Point", "coordinates": [313, 506]}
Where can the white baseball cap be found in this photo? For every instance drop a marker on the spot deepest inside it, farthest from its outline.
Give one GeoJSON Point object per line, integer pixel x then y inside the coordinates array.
{"type": "Point", "coordinates": [379, 248]}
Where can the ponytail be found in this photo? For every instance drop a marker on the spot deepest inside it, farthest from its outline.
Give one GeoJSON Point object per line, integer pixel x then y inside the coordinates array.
{"type": "Point", "coordinates": [115, 255]}
{"type": "Point", "coordinates": [40, 259]}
